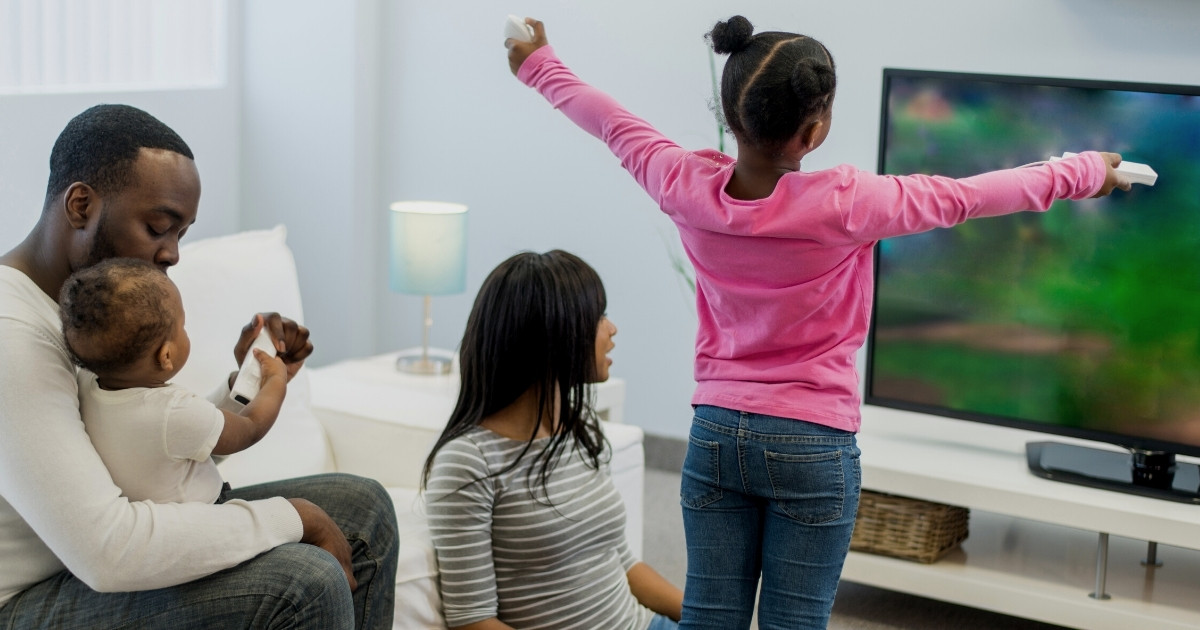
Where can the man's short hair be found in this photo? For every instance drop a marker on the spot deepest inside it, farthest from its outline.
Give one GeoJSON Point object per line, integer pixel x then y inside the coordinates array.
{"type": "Point", "coordinates": [99, 146]}
{"type": "Point", "coordinates": [114, 313]}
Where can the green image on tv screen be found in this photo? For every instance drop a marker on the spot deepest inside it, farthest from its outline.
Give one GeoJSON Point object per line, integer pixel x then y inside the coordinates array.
{"type": "Point", "coordinates": [1082, 319]}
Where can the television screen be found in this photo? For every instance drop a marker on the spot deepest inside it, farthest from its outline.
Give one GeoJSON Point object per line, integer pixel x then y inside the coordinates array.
{"type": "Point", "coordinates": [1084, 320]}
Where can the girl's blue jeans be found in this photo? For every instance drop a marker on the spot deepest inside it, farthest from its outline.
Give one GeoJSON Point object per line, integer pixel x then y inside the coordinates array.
{"type": "Point", "coordinates": [771, 497]}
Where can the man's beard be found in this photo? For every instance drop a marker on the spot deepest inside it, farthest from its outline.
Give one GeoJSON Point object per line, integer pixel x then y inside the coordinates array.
{"type": "Point", "coordinates": [102, 245]}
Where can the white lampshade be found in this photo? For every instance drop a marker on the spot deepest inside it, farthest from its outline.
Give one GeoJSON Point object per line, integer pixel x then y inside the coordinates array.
{"type": "Point", "coordinates": [428, 247]}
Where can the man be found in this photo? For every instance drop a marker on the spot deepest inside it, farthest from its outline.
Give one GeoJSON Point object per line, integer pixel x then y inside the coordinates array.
{"type": "Point", "coordinates": [76, 554]}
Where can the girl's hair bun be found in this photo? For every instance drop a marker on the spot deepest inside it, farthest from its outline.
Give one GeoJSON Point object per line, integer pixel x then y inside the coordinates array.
{"type": "Point", "coordinates": [731, 35]}
{"type": "Point", "coordinates": [813, 79]}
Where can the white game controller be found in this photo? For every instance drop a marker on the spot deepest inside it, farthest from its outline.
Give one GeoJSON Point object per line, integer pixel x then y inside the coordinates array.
{"type": "Point", "coordinates": [516, 28]}
{"type": "Point", "coordinates": [245, 386]}
{"type": "Point", "coordinates": [1133, 171]}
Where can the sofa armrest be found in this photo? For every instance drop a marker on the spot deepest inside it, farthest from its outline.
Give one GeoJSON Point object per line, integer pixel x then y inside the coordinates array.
{"type": "Point", "coordinates": [628, 467]}
{"type": "Point", "coordinates": [381, 423]}
{"type": "Point", "coordinates": [391, 453]}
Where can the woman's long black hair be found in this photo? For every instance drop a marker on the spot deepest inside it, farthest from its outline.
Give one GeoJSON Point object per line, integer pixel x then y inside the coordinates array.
{"type": "Point", "coordinates": [533, 326]}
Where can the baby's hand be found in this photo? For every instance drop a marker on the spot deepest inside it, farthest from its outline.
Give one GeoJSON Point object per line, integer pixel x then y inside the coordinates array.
{"type": "Point", "coordinates": [518, 52]}
{"type": "Point", "coordinates": [1112, 179]}
{"type": "Point", "coordinates": [272, 368]}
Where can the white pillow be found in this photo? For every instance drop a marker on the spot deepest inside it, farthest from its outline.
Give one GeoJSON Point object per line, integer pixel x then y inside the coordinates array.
{"type": "Point", "coordinates": [224, 281]}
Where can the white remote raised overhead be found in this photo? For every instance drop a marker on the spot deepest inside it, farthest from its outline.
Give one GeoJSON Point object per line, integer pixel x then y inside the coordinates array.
{"type": "Point", "coordinates": [1135, 172]}
{"type": "Point", "coordinates": [245, 386]}
{"type": "Point", "coordinates": [516, 28]}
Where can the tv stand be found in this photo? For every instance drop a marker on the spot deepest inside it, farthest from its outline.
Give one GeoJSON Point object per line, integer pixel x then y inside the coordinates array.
{"type": "Point", "coordinates": [1037, 549]}
{"type": "Point", "coordinates": [1152, 474]}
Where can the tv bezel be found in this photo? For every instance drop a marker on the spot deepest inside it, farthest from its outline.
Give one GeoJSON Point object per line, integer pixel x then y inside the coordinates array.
{"type": "Point", "coordinates": [1132, 442]}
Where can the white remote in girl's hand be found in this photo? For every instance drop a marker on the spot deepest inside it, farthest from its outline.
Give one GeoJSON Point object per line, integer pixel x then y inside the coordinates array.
{"type": "Point", "coordinates": [516, 28]}
{"type": "Point", "coordinates": [245, 386]}
{"type": "Point", "coordinates": [1135, 172]}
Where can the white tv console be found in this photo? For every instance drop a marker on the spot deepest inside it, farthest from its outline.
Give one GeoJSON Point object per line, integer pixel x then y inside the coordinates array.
{"type": "Point", "coordinates": [1037, 548]}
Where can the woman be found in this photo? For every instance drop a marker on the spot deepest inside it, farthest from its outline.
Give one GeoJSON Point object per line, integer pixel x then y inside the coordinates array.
{"type": "Point", "coordinates": [527, 525]}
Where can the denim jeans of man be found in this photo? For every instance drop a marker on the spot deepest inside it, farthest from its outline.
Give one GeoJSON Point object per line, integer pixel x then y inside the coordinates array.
{"type": "Point", "coordinates": [768, 496]}
{"type": "Point", "coordinates": [292, 586]}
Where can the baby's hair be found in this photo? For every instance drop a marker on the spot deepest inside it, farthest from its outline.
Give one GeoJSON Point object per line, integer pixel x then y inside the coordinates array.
{"type": "Point", "coordinates": [115, 312]}
{"type": "Point", "coordinates": [773, 82]}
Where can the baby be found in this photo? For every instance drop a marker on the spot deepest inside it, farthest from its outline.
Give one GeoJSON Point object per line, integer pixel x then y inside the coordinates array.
{"type": "Point", "coordinates": [122, 320]}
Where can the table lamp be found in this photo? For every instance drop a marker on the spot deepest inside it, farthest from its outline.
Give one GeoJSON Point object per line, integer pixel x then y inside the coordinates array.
{"type": "Point", "coordinates": [428, 258]}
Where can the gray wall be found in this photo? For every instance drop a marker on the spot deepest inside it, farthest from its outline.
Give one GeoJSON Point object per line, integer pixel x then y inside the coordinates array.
{"type": "Point", "coordinates": [336, 109]}
{"type": "Point", "coordinates": [207, 119]}
{"type": "Point", "coordinates": [309, 155]}
{"type": "Point", "coordinates": [460, 127]}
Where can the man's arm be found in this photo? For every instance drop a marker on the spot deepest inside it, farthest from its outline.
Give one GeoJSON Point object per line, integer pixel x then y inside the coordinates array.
{"type": "Point", "coordinates": [53, 481]}
{"type": "Point", "coordinates": [321, 531]}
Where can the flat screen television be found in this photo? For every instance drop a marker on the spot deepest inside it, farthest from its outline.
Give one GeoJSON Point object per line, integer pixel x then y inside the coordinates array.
{"type": "Point", "coordinates": [1083, 321]}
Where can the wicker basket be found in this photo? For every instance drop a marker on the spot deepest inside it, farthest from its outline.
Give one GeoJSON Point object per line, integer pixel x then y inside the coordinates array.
{"type": "Point", "coordinates": [907, 528]}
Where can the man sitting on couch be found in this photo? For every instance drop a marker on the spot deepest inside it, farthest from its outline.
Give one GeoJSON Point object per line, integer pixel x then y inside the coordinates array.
{"type": "Point", "coordinates": [74, 552]}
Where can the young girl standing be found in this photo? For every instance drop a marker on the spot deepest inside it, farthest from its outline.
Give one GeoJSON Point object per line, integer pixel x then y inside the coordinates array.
{"type": "Point", "coordinates": [784, 279]}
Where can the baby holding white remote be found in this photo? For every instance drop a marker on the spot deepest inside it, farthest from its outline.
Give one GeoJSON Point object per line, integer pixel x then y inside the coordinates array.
{"type": "Point", "coordinates": [123, 322]}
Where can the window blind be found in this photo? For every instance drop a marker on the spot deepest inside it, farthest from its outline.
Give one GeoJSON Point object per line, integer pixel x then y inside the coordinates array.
{"type": "Point", "coordinates": [111, 45]}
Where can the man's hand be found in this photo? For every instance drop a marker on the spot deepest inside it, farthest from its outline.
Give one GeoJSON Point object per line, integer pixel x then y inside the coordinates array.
{"type": "Point", "coordinates": [291, 340]}
{"type": "Point", "coordinates": [321, 531]}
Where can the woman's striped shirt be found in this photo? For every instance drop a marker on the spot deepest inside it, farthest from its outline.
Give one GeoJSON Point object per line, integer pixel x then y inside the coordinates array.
{"type": "Point", "coordinates": [504, 551]}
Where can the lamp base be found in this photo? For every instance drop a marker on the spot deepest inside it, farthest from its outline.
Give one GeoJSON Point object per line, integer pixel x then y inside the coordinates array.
{"type": "Point", "coordinates": [431, 363]}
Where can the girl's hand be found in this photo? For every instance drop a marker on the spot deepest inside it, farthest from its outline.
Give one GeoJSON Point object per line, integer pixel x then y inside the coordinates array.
{"type": "Point", "coordinates": [1112, 179]}
{"type": "Point", "coordinates": [519, 51]}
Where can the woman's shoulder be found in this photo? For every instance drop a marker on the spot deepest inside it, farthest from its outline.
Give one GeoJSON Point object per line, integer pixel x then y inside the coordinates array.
{"type": "Point", "coordinates": [477, 448]}
{"type": "Point", "coordinates": [460, 459]}
{"type": "Point", "coordinates": [466, 444]}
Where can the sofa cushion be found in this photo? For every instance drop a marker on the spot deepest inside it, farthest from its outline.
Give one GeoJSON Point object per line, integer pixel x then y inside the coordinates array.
{"type": "Point", "coordinates": [224, 281]}
{"type": "Point", "coordinates": [418, 600]}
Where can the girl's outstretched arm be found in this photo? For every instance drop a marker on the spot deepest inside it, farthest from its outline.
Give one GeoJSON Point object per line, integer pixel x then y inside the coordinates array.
{"type": "Point", "coordinates": [651, 158]}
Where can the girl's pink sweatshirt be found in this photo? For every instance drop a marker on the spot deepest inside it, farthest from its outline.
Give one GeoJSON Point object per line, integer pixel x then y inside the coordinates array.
{"type": "Point", "coordinates": [784, 284]}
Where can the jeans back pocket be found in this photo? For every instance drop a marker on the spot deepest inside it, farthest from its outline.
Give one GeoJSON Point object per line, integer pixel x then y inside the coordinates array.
{"type": "Point", "coordinates": [808, 487]}
{"type": "Point", "coordinates": [700, 484]}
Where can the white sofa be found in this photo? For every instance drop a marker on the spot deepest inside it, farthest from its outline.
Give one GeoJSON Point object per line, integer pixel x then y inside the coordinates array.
{"type": "Point", "coordinates": [337, 434]}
